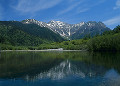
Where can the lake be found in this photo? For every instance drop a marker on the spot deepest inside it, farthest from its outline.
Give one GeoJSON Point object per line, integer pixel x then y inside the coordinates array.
{"type": "Point", "coordinates": [59, 68]}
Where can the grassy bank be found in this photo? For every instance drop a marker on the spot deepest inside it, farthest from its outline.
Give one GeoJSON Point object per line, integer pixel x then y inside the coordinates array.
{"type": "Point", "coordinates": [66, 45]}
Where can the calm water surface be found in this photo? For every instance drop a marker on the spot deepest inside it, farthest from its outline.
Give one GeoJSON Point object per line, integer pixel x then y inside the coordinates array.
{"type": "Point", "coordinates": [59, 69]}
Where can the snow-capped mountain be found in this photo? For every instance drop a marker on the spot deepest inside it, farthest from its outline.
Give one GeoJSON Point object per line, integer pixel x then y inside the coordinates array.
{"type": "Point", "coordinates": [57, 26]}
{"type": "Point", "coordinates": [66, 69]}
{"type": "Point", "coordinates": [70, 30]}
{"type": "Point", "coordinates": [91, 28]}
{"type": "Point", "coordinates": [30, 21]}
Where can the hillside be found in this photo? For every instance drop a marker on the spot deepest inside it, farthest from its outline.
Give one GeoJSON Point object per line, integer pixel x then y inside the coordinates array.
{"type": "Point", "coordinates": [33, 36]}
{"type": "Point", "coordinates": [17, 33]}
{"type": "Point", "coordinates": [107, 41]}
{"type": "Point", "coordinates": [13, 36]}
{"type": "Point", "coordinates": [71, 31]}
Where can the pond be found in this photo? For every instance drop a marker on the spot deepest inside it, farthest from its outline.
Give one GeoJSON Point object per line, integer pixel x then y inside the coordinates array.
{"type": "Point", "coordinates": [59, 68]}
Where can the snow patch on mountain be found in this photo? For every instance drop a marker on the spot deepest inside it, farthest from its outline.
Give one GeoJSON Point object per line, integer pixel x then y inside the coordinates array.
{"type": "Point", "coordinates": [65, 29]}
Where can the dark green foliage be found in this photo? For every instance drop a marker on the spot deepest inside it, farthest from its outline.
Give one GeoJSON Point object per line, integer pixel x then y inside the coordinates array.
{"type": "Point", "coordinates": [19, 34]}
{"type": "Point", "coordinates": [10, 47]}
{"type": "Point", "coordinates": [109, 41]}
{"type": "Point", "coordinates": [117, 29]}
{"type": "Point", "coordinates": [112, 32]}
{"type": "Point", "coordinates": [108, 33]}
{"type": "Point", "coordinates": [13, 36]}
{"type": "Point", "coordinates": [87, 36]}
{"type": "Point", "coordinates": [66, 45]}
{"type": "Point", "coordinates": [35, 30]}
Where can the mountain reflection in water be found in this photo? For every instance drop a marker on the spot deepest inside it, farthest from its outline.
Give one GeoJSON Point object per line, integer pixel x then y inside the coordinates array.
{"type": "Point", "coordinates": [59, 68]}
{"type": "Point", "coordinates": [64, 69]}
{"type": "Point", "coordinates": [68, 68]}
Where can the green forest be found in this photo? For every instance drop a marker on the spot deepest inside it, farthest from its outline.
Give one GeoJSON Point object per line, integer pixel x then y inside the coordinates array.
{"type": "Point", "coordinates": [18, 36]}
{"type": "Point", "coordinates": [107, 41]}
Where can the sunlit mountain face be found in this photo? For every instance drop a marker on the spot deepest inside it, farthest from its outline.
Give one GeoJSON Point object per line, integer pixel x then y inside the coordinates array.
{"type": "Point", "coordinates": [72, 31]}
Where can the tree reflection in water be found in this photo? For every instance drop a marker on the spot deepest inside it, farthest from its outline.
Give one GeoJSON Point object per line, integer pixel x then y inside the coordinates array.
{"type": "Point", "coordinates": [100, 68]}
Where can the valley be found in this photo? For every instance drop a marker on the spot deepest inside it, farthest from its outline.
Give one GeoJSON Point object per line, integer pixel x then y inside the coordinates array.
{"type": "Point", "coordinates": [31, 34]}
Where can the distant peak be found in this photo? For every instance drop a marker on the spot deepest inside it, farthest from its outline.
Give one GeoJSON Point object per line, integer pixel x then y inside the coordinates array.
{"type": "Point", "coordinates": [52, 21]}
{"type": "Point", "coordinates": [31, 20]}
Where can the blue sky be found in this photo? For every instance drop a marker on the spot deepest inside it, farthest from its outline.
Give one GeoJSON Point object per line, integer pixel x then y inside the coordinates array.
{"type": "Point", "coordinates": [69, 11]}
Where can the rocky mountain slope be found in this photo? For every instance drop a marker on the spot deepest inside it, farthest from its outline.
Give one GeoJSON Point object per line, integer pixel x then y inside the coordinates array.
{"type": "Point", "coordinates": [73, 31]}
{"type": "Point", "coordinates": [90, 28]}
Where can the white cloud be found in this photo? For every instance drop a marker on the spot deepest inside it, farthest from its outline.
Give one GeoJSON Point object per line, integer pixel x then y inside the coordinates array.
{"type": "Point", "coordinates": [69, 8]}
{"type": "Point", "coordinates": [98, 2]}
{"type": "Point", "coordinates": [81, 10]}
{"type": "Point", "coordinates": [115, 20]}
{"type": "Point", "coordinates": [117, 5]}
{"type": "Point", "coordinates": [81, 6]}
{"type": "Point", "coordinates": [31, 6]}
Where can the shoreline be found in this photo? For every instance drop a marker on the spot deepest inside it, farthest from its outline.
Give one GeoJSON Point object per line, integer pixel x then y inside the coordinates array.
{"type": "Point", "coordinates": [41, 50]}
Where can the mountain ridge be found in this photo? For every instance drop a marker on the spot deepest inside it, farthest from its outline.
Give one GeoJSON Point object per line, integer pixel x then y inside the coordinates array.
{"type": "Point", "coordinates": [69, 30]}
{"type": "Point", "coordinates": [17, 33]}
